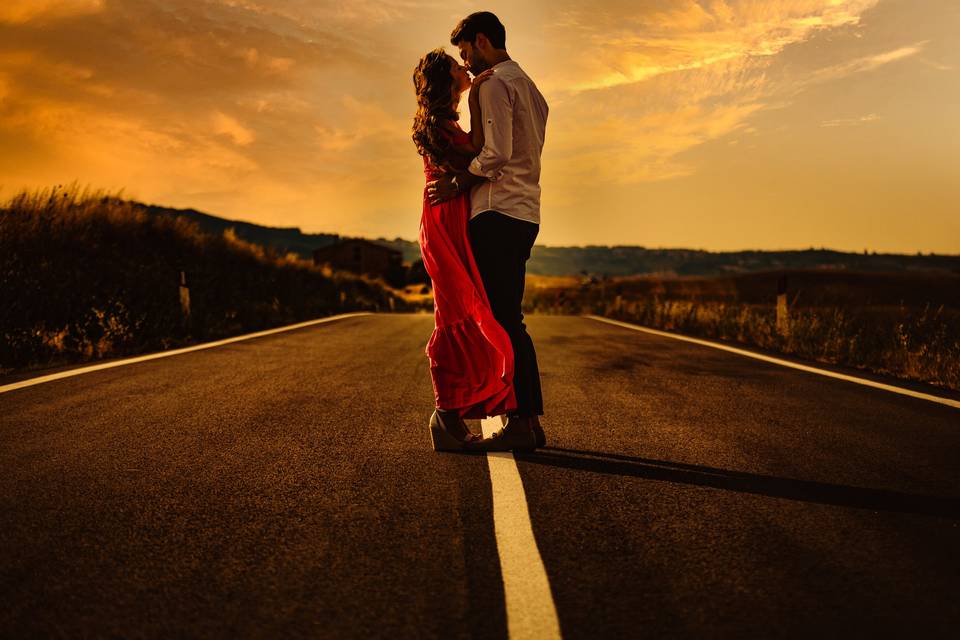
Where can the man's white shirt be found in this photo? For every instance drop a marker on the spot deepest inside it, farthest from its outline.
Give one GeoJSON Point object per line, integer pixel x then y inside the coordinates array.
{"type": "Point", "coordinates": [514, 125]}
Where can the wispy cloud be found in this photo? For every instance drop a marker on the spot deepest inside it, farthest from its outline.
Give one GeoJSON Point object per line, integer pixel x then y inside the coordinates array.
{"type": "Point", "coordinates": [627, 45]}
{"type": "Point", "coordinates": [696, 70]}
{"type": "Point", "coordinates": [845, 122]}
{"type": "Point", "coordinates": [863, 64]}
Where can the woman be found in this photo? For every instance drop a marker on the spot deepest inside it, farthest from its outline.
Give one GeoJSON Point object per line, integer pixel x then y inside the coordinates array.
{"type": "Point", "coordinates": [471, 357]}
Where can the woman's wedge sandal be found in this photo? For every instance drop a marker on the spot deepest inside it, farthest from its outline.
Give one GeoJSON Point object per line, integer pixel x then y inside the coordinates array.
{"type": "Point", "coordinates": [444, 440]}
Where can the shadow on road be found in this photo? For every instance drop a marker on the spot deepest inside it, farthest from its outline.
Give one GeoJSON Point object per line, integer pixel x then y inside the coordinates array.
{"type": "Point", "coordinates": [803, 490]}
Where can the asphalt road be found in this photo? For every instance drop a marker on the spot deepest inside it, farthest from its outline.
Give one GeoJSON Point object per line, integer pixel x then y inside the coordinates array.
{"type": "Point", "coordinates": [284, 486]}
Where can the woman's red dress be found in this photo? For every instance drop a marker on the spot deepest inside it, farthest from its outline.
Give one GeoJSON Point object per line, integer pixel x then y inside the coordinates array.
{"type": "Point", "coordinates": [471, 357]}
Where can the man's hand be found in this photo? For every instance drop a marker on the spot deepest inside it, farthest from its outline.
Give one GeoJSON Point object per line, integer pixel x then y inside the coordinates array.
{"type": "Point", "coordinates": [441, 190]}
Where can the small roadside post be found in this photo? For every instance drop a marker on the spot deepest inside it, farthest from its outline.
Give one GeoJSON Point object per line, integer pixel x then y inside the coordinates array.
{"type": "Point", "coordinates": [184, 299]}
{"type": "Point", "coordinates": [783, 311]}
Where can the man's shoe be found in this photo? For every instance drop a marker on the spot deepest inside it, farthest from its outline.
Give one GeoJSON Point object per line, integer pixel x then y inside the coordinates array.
{"type": "Point", "coordinates": [538, 431]}
{"type": "Point", "coordinates": [516, 435]}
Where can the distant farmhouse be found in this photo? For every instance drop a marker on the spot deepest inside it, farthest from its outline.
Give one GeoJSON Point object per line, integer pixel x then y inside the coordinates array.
{"type": "Point", "coordinates": [364, 257]}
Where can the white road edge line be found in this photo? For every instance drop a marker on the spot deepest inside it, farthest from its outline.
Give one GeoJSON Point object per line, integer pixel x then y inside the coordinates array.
{"type": "Point", "coordinates": [531, 612]}
{"type": "Point", "coordinates": [785, 363]}
{"type": "Point", "coordinates": [165, 354]}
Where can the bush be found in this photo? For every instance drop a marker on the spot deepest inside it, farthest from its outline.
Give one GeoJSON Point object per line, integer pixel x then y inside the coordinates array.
{"type": "Point", "coordinates": [84, 274]}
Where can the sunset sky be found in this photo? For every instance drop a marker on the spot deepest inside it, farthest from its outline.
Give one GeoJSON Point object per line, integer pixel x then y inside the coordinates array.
{"type": "Point", "coordinates": [715, 124]}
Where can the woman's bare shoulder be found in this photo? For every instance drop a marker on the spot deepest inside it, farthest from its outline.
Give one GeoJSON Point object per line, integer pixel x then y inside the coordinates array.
{"type": "Point", "coordinates": [449, 125]}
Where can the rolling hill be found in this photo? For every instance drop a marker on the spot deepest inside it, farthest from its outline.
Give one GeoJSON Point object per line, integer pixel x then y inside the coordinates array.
{"type": "Point", "coordinates": [596, 260]}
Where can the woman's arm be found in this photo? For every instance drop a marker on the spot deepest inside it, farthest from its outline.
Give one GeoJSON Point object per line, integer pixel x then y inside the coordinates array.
{"type": "Point", "coordinates": [476, 118]}
{"type": "Point", "coordinates": [476, 113]}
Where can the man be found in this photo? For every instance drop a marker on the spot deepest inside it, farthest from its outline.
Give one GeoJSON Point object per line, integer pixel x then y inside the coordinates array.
{"type": "Point", "coordinates": [504, 183]}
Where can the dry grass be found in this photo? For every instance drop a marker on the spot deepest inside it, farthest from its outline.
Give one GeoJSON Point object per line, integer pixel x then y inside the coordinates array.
{"type": "Point", "coordinates": [86, 275]}
{"type": "Point", "coordinates": [904, 325]}
{"type": "Point", "coordinates": [551, 282]}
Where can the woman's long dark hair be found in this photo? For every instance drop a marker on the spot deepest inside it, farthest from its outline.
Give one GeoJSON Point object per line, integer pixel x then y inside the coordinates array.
{"type": "Point", "coordinates": [434, 87]}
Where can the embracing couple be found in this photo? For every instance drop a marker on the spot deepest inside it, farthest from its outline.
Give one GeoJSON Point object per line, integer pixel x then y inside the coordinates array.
{"type": "Point", "coordinates": [481, 215]}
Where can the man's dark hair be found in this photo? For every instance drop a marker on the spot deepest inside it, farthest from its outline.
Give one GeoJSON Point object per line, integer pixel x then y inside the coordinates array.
{"type": "Point", "coordinates": [481, 22]}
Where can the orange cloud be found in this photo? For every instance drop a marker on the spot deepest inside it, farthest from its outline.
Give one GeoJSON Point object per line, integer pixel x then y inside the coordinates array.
{"type": "Point", "coordinates": [20, 11]}
{"type": "Point", "coordinates": [231, 127]}
{"type": "Point", "coordinates": [672, 79]}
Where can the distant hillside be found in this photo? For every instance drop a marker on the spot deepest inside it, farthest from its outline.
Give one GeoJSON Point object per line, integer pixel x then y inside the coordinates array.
{"type": "Point", "coordinates": [284, 239]}
{"type": "Point", "coordinates": [626, 260]}
{"type": "Point", "coordinates": [596, 260]}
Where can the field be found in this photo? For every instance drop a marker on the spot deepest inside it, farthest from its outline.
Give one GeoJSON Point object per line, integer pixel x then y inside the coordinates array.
{"type": "Point", "coordinates": [901, 324]}
{"type": "Point", "coordinates": [86, 275]}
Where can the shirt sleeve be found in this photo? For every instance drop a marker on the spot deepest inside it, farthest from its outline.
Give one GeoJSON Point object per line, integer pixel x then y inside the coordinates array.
{"type": "Point", "coordinates": [497, 111]}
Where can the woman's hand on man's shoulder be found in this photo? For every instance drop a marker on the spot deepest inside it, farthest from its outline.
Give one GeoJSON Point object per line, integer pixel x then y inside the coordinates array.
{"type": "Point", "coordinates": [483, 77]}
{"type": "Point", "coordinates": [477, 81]}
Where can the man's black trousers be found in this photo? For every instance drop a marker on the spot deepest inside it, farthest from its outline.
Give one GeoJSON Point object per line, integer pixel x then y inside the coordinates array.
{"type": "Point", "coordinates": [501, 246]}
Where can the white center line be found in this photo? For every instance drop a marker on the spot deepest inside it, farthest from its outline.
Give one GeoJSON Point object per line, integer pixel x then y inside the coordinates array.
{"type": "Point", "coordinates": [166, 354]}
{"type": "Point", "coordinates": [531, 612]}
{"type": "Point", "coordinates": [785, 363]}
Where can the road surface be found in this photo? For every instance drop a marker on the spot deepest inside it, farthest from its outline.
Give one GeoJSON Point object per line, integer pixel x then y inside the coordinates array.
{"type": "Point", "coordinates": [284, 486]}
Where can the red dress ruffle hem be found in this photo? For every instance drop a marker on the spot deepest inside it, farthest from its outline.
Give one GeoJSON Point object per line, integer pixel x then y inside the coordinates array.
{"type": "Point", "coordinates": [471, 357]}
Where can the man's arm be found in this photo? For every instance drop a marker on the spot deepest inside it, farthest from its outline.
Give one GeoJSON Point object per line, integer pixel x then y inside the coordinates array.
{"type": "Point", "coordinates": [450, 185]}
{"type": "Point", "coordinates": [497, 109]}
